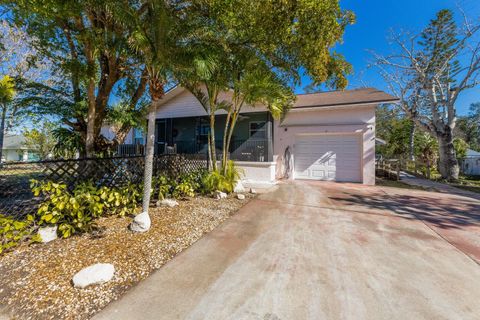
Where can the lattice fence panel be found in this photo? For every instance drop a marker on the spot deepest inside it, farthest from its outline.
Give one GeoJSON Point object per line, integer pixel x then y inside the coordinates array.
{"type": "Point", "coordinates": [17, 199]}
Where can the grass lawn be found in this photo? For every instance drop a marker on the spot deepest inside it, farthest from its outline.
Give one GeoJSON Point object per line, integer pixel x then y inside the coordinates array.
{"type": "Point", "coordinates": [35, 280]}
{"type": "Point", "coordinates": [396, 184]}
{"type": "Point", "coordinates": [470, 183]}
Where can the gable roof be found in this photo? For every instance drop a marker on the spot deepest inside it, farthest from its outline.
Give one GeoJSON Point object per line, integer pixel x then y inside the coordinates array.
{"type": "Point", "coordinates": [339, 98]}
{"type": "Point", "coordinates": [472, 153]}
{"type": "Point", "coordinates": [343, 98]}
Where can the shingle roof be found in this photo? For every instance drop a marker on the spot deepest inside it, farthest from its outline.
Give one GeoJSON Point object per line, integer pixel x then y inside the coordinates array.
{"type": "Point", "coordinates": [343, 98]}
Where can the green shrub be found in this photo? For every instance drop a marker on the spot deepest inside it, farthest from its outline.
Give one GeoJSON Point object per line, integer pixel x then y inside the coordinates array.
{"type": "Point", "coordinates": [186, 185]}
{"type": "Point", "coordinates": [76, 212]}
{"type": "Point", "coordinates": [13, 232]}
{"type": "Point", "coordinates": [216, 180]}
{"type": "Point", "coordinates": [162, 187]}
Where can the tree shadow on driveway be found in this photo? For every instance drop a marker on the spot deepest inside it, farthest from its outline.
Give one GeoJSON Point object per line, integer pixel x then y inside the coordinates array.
{"type": "Point", "coordinates": [440, 210]}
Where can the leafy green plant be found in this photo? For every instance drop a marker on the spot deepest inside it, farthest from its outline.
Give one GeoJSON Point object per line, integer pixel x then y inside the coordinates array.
{"type": "Point", "coordinates": [162, 186]}
{"type": "Point", "coordinates": [121, 201]}
{"type": "Point", "coordinates": [185, 185]}
{"type": "Point", "coordinates": [13, 232]}
{"type": "Point", "coordinates": [183, 189]}
{"type": "Point", "coordinates": [215, 180]}
{"type": "Point", "coordinates": [76, 212]}
{"type": "Point", "coordinates": [73, 213]}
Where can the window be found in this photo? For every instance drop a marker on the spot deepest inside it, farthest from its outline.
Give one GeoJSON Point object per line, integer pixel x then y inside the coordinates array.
{"type": "Point", "coordinates": [258, 129]}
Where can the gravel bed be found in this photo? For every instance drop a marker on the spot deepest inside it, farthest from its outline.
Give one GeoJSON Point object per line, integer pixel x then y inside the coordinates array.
{"type": "Point", "coordinates": [35, 281]}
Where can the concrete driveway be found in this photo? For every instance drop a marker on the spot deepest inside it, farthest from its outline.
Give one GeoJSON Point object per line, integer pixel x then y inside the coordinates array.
{"type": "Point", "coordinates": [312, 250]}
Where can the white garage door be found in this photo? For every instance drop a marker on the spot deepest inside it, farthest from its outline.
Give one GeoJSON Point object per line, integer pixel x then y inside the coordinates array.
{"type": "Point", "coordinates": [328, 157]}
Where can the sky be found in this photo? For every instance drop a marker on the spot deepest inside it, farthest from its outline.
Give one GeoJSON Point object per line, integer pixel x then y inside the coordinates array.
{"type": "Point", "coordinates": [375, 20]}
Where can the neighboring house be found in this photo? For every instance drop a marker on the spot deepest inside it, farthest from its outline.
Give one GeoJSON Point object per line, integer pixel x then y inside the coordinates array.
{"type": "Point", "coordinates": [470, 165]}
{"type": "Point", "coordinates": [14, 149]}
{"type": "Point", "coordinates": [325, 136]}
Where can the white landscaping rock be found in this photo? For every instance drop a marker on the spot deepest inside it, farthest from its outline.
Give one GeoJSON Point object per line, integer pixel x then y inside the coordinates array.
{"type": "Point", "coordinates": [240, 196]}
{"type": "Point", "coordinates": [219, 195]}
{"type": "Point", "coordinates": [167, 203]}
{"type": "Point", "coordinates": [253, 191]}
{"type": "Point", "coordinates": [239, 188]}
{"type": "Point", "coordinates": [141, 222]}
{"type": "Point", "coordinates": [94, 274]}
{"type": "Point", "coordinates": [48, 234]}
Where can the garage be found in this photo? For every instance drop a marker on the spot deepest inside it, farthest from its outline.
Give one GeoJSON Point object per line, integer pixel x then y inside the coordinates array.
{"type": "Point", "coordinates": [328, 157]}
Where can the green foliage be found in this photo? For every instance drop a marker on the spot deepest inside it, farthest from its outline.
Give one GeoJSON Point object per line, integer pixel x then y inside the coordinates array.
{"type": "Point", "coordinates": [75, 212]}
{"type": "Point", "coordinates": [41, 139]}
{"type": "Point", "coordinates": [186, 185]}
{"type": "Point", "coordinates": [7, 90]}
{"type": "Point", "coordinates": [13, 232]}
{"type": "Point", "coordinates": [460, 147]}
{"type": "Point", "coordinates": [468, 127]}
{"type": "Point", "coordinates": [395, 129]}
{"type": "Point", "coordinates": [216, 180]}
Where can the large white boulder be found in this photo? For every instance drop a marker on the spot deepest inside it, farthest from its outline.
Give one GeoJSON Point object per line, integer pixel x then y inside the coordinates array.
{"type": "Point", "coordinates": [94, 274]}
{"type": "Point", "coordinates": [239, 188]}
{"type": "Point", "coordinates": [240, 196]}
{"type": "Point", "coordinates": [141, 222]}
{"type": "Point", "coordinates": [253, 191]}
{"type": "Point", "coordinates": [219, 195]}
{"type": "Point", "coordinates": [48, 234]}
{"type": "Point", "coordinates": [167, 203]}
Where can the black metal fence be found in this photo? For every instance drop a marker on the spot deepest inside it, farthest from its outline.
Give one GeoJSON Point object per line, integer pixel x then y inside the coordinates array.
{"type": "Point", "coordinates": [17, 199]}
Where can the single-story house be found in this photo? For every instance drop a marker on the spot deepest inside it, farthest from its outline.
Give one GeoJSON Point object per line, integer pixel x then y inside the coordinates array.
{"type": "Point", "coordinates": [470, 165]}
{"type": "Point", "coordinates": [14, 149]}
{"type": "Point", "coordinates": [325, 136]}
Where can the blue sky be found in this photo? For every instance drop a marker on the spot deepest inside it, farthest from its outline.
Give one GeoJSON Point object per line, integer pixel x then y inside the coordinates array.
{"type": "Point", "coordinates": [376, 19]}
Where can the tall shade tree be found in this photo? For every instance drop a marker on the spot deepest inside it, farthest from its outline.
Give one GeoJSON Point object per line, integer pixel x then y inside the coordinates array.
{"type": "Point", "coordinates": [260, 46]}
{"type": "Point", "coordinates": [88, 50]}
{"type": "Point", "coordinates": [7, 93]}
{"type": "Point", "coordinates": [428, 73]}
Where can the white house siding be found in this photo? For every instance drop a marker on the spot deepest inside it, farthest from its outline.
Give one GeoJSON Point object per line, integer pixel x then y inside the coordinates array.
{"type": "Point", "coordinates": [471, 166]}
{"type": "Point", "coordinates": [186, 105]}
{"type": "Point", "coordinates": [357, 120]}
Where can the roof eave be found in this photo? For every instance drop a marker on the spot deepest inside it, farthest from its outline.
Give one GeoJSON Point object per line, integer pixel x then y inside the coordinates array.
{"type": "Point", "coordinates": [344, 105]}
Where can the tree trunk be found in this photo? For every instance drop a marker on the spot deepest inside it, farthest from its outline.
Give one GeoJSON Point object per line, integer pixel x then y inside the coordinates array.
{"type": "Point", "coordinates": [225, 146]}
{"type": "Point", "coordinates": [213, 149]}
{"type": "Point", "coordinates": [411, 142]}
{"type": "Point", "coordinates": [2, 129]}
{"type": "Point", "coordinates": [91, 115]}
{"type": "Point", "coordinates": [448, 164]}
{"type": "Point", "coordinates": [149, 152]}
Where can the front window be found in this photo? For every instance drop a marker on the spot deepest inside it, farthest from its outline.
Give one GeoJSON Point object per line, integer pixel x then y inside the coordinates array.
{"type": "Point", "coordinates": [258, 129]}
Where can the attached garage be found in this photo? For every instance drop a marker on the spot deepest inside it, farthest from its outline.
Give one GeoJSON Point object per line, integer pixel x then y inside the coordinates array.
{"type": "Point", "coordinates": [331, 157]}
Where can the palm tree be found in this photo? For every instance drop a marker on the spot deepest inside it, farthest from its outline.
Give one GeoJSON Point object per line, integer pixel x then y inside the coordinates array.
{"type": "Point", "coordinates": [253, 82]}
{"type": "Point", "coordinates": [205, 78]}
{"type": "Point", "coordinates": [152, 27]}
{"type": "Point", "coordinates": [7, 93]}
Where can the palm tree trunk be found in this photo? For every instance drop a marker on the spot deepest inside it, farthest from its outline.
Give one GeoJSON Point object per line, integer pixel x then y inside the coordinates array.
{"type": "Point", "coordinates": [149, 152]}
{"type": "Point", "coordinates": [225, 145]}
{"type": "Point", "coordinates": [2, 129]}
{"type": "Point", "coordinates": [212, 142]}
{"type": "Point", "coordinates": [233, 122]}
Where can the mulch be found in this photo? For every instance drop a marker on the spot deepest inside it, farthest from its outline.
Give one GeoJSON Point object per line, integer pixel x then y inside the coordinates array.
{"type": "Point", "coordinates": [35, 280]}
